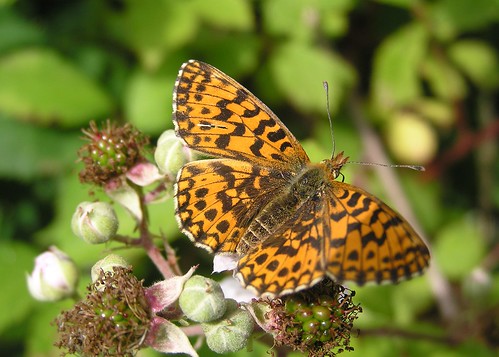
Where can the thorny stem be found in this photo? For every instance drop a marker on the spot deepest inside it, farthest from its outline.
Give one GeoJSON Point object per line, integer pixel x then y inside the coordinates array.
{"type": "Point", "coordinates": [164, 266]}
{"type": "Point", "coordinates": [374, 152]}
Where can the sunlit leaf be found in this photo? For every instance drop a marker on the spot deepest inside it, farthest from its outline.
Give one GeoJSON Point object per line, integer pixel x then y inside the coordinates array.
{"type": "Point", "coordinates": [41, 85]}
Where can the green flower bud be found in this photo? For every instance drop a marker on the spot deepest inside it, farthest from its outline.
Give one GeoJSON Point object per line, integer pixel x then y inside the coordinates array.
{"type": "Point", "coordinates": [107, 264]}
{"type": "Point", "coordinates": [54, 277]}
{"type": "Point", "coordinates": [202, 299]}
{"type": "Point", "coordinates": [94, 222]}
{"type": "Point", "coordinates": [231, 332]}
{"type": "Point", "coordinates": [171, 153]}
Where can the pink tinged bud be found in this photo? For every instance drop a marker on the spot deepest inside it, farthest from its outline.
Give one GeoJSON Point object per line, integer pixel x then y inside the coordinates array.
{"type": "Point", "coordinates": [165, 293]}
{"type": "Point", "coordinates": [171, 154]}
{"type": "Point", "coordinates": [166, 337]}
{"type": "Point", "coordinates": [54, 277]}
{"type": "Point", "coordinates": [144, 174]}
{"type": "Point", "coordinates": [94, 222]}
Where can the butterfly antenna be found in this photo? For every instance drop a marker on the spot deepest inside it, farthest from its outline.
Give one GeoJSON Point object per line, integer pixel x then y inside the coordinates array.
{"type": "Point", "coordinates": [412, 167]}
{"type": "Point", "coordinates": [326, 88]}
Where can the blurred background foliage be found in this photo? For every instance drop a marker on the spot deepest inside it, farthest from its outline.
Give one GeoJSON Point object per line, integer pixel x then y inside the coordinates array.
{"type": "Point", "coordinates": [418, 77]}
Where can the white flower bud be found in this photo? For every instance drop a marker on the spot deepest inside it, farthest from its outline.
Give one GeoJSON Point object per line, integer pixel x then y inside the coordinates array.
{"type": "Point", "coordinates": [171, 154]}
{"type": "Point", "coordinates": [202, 299]}
{"type": "Point", "coordinates": [54, 277]}
{"type": "Point", "coordinates": [94, 222]}
{"type": "Point", "coordinates": [107, 264]}
{"type": "Point", "coordinates": [231, 332]}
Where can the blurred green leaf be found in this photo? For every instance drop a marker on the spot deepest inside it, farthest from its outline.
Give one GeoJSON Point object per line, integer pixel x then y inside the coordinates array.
{"type": "Point", "coordinates": [399, 3]}
{"type": "Point", "coordinates": [478, 60]}
{"type": "Point", "coordinates": [39, 84]}
{"type": "Point", "coordinates": [299, 71]}
{"type": "Point", "coordinates": [410, 299]}
{"type": "Point", "coordinates": [148, 103]}
{"type": "Point", "coordinates": [395, 78]}
{"type": "Point", "coordinates": [16, 32]}
{"type": "Point", "coordinates": [41, 152]}
{"type": "Point", "coordinates": [459, 247]}
{"type": "Point", "coordinates": [154, 28]}
{"type": "Point", "coordinates": [235, 54]}
{"type": "Point", "coordinates": [445, 81]}
{"type": "Point", "coordinates": [16, 259]}
{"type": "Point", "coordinates": [456, 16]}
{"type": "Point", "coordinates": [377, 305]}
{"type": "Point", "coordinates": [300, 19]}
{"type": "Point", "coordinates": [439, 112]}
{"type": "Point", "coordinates": [425, 198]}
{"type": "Point", "coordinates": [228, 14]}
{"type": "Point", "coordinates": [42, 334]}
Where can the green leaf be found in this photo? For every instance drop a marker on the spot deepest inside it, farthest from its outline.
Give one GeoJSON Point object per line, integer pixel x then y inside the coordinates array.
{"type": "Point", "coordinates": [445, 81]}
{"type": "Point", "coordinates": [459, 247]}
{"type": "Point", "coordinates": [236, 54]}
{"type": "Point", "coordinates": [299, 71]}
{"type": "Point", "coordinates": [154, 28]}
{"type": "Point", "coordinates": [29, 151]}
{"type": "Point", "coordinates": [451, 17]}
{"type": "Point", "coordinates": [39, 84]}
{"type": "Point", "coordinates": [400, 3]}
{"type": "Point", "coordinates": [16, 32]}
{"type": "Point", "coordinates": [228, 14]}
{"type": "Point", "coordinates": [148, 101]}
{"type": "Point", "coordinates": [395, 79]}
{"type": "Point", "coordinates": [42, 335]}
{"type": "Point", "coordinates": [16, 259]}
{"type": "Point", "coordinates": [300, 19]}
{"type": "Point", "coordinates": [477, 60]}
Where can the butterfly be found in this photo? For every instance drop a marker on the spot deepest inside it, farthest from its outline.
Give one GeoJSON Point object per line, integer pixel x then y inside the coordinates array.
{"type": "Point", "coordinates": [290, 222]}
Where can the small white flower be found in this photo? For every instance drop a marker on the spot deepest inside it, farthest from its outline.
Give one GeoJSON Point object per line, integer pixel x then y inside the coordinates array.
{"type": "Point", "coordinates": [223, 262]}
{"type": "Point", "coordinates": [233, 289]}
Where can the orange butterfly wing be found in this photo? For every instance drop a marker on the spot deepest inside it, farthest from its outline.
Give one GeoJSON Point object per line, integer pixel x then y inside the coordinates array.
{"type": "Point", "coordinates": [338, 230]}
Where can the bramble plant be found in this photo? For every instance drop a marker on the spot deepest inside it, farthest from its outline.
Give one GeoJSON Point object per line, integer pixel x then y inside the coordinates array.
{"type": "Point", "coordinates": [119, 315]}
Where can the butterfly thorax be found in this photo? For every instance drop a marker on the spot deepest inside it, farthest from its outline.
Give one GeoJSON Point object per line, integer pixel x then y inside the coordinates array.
{"type": "Point", "coordinates": [308, 185]}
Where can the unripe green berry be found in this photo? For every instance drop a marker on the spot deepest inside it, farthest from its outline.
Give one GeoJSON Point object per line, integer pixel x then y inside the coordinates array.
{"type": "Point", "coordinates": [325, 336]}
{"type": "Point", "coordinates": [304, 314]}
{"type": "Point", "coordinates": [311, 326]}
{"type": "Point", "coordinates": [94, 222]}
{"type": "Point", "coordinates": [321, 313]}
{"type": "Point", "coordinates": [324, 325]}
{"type": "Point", "coordinates": [231, 332]}
{"type": "Point", "coordinates": [202, 299]}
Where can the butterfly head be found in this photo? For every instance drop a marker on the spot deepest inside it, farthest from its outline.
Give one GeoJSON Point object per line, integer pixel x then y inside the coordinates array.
{"type": "Point", "coordinates": [334, 165]}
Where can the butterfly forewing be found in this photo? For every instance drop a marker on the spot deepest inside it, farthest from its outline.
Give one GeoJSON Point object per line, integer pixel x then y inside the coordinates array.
{"type": "Point", "coordinates": [216, 115]}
